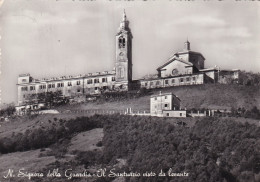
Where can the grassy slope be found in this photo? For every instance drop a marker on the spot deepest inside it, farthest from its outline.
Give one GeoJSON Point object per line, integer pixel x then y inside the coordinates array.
{"type": "Point", "coordinates": [28, 160]}
{"type": "Point", "coordinates": [86, 141]}
{"type": "Point", "coordinates": [194, 96]}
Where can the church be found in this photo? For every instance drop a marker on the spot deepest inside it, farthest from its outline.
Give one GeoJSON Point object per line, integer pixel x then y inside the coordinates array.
{"type": "Point", "coordinates": [182, 68]}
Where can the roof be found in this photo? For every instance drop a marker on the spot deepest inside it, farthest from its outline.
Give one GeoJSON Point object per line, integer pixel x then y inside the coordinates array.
{"type": "Point", "coordinates": [189, 51]}
{"type": "Point", "coordinates": [171, 59]}
{"type": "Point", "coordinates": [163, 94]}
{"type": "Point", "coordinates": [209, 69]}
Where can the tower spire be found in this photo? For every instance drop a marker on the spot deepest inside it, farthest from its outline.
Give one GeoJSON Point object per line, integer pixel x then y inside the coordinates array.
{"type": "Point", "coordinates": [124, 16]}
{"type": "Point", "coordinates": [187, 45]}
{"type": "Point", "coordinates": [124, 23]}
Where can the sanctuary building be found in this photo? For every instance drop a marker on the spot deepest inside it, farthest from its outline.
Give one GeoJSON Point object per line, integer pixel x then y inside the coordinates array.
{"type": "Point", "coordinates": [182, 68]}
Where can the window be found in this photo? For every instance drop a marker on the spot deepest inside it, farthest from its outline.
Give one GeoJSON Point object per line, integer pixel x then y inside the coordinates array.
{"type": "Point", "coordinates": [104, 87]}
{"type": "Point", "coordinates": [187, 79]}
{"type": "Point", "coordinates": [181, 80]}
{"type": "Point", "coordinates": [96, 80]}
{"type": "Point", "coordinates": [69, 84]}
{"type": "Point", "coordinates": [121, 42]}
{"type": "Point", "coordinates": [113, 78]}
{"type": "Point", "coordinates": [155, 98]}
{"type": "Point", "coordinates": [58, 85]}
{"type": "Point", "coordinates": [165, 105]}
{"type": "Point", "coordinates": [166, 82]}
{"type": "Point", "coordinates": [44, 87]}
{"type": "Point", "coordinates": [24, 89]}
{"type": "Point", "coordinates": [96, 88]}
{"type": "Point", "coordinates": [194, 78]}
{"type": "Point", "coordinates": [167, 114]}
{"type": "Point", "coordinates": [158, 83]}
{"type": "Point", "coordinates": [32, 87]}
{"type": "Point", "coordinates": [173, 80]}
{"type": "Point", "coordinates": [49, 86]}
{"type": "Point", "coordinates": [180, 114]}
{"type": "Point", "coordinates": [90, 81]}
{"type": "Point", "coordinates": [166, 97]}
{"type": "Point", "coordinates": [23, 80]}
{"type": "Point", "coordinates": [145, 84]}
{"type": "Point", "coordinates": [104, 80]}
{"type": "Point", "coordinates": [78, 90]}
{"type": "Point", "coordinates": [53, 85]}
{"type": "Point", "coordinates": [78, 82]}
{"type": "Point", "coordinates": [151, 83]}
{"type": "Point", "coordinates": [121, 72]}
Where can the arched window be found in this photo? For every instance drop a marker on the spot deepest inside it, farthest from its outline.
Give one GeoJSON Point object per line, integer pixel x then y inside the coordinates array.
{"type": "Point", "coordinates": [121, 42]}
{"type": "Point", "coordinates": [121, 72]}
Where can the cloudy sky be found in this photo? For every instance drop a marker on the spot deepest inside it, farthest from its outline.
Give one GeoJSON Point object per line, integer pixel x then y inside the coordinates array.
{"type": "Point", "coordinates": [49, 38]}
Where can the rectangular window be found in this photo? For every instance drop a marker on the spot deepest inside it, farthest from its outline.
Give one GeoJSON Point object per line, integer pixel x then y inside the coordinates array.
{"type": "Point", "coordinates": [96, 80]}
{"type": "Point", "coordinates": [166, 97]}
{"type": "Point", "coordinates": [155, 98]}
{"type": "Point", "coordinates": [166, 82]}
{"type": "Point", "coordinates": [113, 78]}
{"type": "Point", "coordinates": [167, 114]}
{"type": "Point", "coordinates": [78, 82]}
{"type": "Point", "coordinates": [49, 86]}
{"type": "Point", "coordinates": [53, 85]}
{"type": "Point", "coordinates": [24, 89]}
{"type": "Point", "coordinates": [194, 78]}
{"type": "Point", "coordinates": [40, 87]}
{"type": "Point", "coordinates": [32, 87]}
{"type": "Point", "coordinates": [157, 83]}
{"type": "Point", "coordinates": [44, 87]}
{"type": "Point", "coordinates": [173, 80]}
{"type": "Point", "coordinates": [96, 88]}
{"type": "Point", "coordinates": [145, 84]}
{"type": "Point", "coordinates": [165, 105]}
{"type": "Point", "coordinates": [69, 84]}
{"type": "Point", "coordinates": [104, 80]}
{"type": "Point", "coordinates": [187, 79]}
{"type": "Point", "coordinates": [23, 80]}
{"type": "Point", "coordinates": [62, 85]}
{"type": "Point", "coordinates": [58, 85]}
{"type": "Point", "coordinates": [180, 114]}
{"type": "Point", "coordinates": [78, 90]}
{"type": "Point", "coordinates": [89, 81]}
{"type": "Point", "coordinates": [151, 83]}
{"type": "Point", "coordinates": [181, 80]}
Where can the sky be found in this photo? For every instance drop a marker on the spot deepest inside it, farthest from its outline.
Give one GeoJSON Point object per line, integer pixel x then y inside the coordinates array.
{"type": "Point", "coordinates": [52, 38]}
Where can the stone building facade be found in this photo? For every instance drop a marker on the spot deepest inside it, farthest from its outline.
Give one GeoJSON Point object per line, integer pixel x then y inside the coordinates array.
{"type": "Point", "coordinates": [167, 105]}
{"type": "Point", "coordinates": [182, 68]}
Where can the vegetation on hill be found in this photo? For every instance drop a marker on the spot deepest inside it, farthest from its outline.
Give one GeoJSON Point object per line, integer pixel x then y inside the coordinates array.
{"type": "Point", "coordinates": [249, 78]}
{"type": "Point", "coordinates": [44, 137]}
{"type": "Point", "coordinates": [212, 150]}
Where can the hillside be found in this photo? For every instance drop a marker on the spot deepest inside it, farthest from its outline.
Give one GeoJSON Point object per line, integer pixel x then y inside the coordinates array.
{"type": "Point", "coordinates": [212, 149]}
{"type": "Point", "coordinates": [211, 96]}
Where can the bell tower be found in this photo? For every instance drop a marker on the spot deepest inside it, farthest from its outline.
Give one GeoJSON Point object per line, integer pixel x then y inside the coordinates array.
{"type": "Point", "coordinates": [124, 54]}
